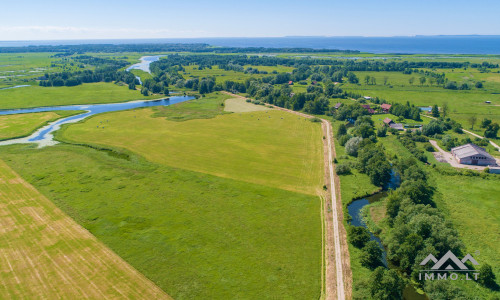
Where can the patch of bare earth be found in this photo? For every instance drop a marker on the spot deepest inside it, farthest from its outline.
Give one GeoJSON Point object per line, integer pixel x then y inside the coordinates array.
{"type": "Point", "coordinates": [44, 254]}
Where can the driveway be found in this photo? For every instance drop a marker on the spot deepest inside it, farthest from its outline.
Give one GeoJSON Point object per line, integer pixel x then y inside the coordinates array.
{"type": "Point", "coordinates": [447, 157]}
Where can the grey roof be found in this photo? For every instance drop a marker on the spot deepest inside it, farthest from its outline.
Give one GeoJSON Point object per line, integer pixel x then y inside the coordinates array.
{"type": "Point", "coordinates": [397, 126]}
{"type": "Point", "coordinates": [469, 150]}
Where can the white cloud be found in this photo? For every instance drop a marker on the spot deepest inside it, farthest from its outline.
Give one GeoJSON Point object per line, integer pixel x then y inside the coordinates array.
{"type": "Point", "coordinates": [61, 32]}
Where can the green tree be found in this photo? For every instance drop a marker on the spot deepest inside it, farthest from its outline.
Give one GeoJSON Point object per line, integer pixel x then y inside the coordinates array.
{"type": "Point", "coordinates": [342, 130]}
{"type": "Point", "coordinates": [435, 111]}
{"type": "Point", "coordinates": [371, 255]}
{"type": "Point", "coordinates": [486, 276]}
{"type": "Point", "coordinates": [472, 121]}
{"type": "Point", "coordinates": [445, 109]}
{"type": "Point", "coordinates": [352, 78]}
{"type": "Point", "coordinates": [373, 81]}
{"type": "Point", "coordinates": [386, 79]}
{"type": "Point", "coordinates": [422, 80]}
{"type": "Point", "coordinates": [358, 236]}
{"type": "Point", "coordinates": [367, 79]}
{"type": "Point", "coordinates": [386, 284]}
{"type": "Point", "coordinates": [411, 80]}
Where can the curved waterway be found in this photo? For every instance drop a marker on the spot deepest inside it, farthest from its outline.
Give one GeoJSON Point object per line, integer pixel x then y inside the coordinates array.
{"type": "Point", "coordinates": [144, 65]}
{"type": "Point", "coordinates": [44, 136]}
{"type": "Point", "coordinates": [356, 206]}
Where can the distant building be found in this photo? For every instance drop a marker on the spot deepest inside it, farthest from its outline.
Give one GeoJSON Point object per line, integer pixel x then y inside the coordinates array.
{"type": "Point", "coordinates": [487, 102]}
{"type": "Point", "coordinates": [397, 126]}
{"type": "Point", "coordinates": [371, 111]}
{"type": "Point", "coordinates": [338, 105]}
{"type": "Point", "coordinates": [385, 107]}
{"type": "Point", "coordinates": [365, 106]}
{"type": "Point", "coordinates": [290, 82]}
{"type": "Point", "coordinates": [471, 154]}
{"type": "Point", "coordinates": [367, 97]}
{"type": "Point", "coordinates": [388, 121]}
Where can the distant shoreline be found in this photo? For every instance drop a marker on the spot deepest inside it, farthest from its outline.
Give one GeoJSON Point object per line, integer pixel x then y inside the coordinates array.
{"type": "Point", "coordinates": [442, 44]}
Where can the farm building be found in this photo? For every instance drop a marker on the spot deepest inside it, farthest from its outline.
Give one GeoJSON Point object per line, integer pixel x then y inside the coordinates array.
{"type": "Point", "coordinates": [338, 105]}
{"type": "Point", "coordinates": [397, 126]}
{"type": "Point", "coordinates": [385, 107]}
{"type": "Point", "coordinates": [290, 82]}
{"type": "Point", "coordinates": [471, 154]}
{"type": "Point", "coordinates": [388, 121]}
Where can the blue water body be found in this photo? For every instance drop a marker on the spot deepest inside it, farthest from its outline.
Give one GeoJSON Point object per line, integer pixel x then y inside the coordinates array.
{"type": "Point", "coordinates": [94, 109]}
{"type": "Point", "coordinates": [354, 209]}
{"type": "Point", "coordinates": [473, 44]}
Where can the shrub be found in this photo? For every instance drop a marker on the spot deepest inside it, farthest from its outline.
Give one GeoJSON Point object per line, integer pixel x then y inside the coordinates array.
{"type": "Point", "coordinates": [382, 131]}
{"type": "Point", "coordinates": [371, 255]}
{"type": "Point", "coordinates": [343, 169]}
{"type": "Point", "coordinates": [352, 146]}
{"type": "Point", "coordinates": [358, 236]}
{"type": "Point", "coordinates": [343, 139]}
{"type": "Point", "coordinates": [429, 148]}
{"type": "Point", "coordinates": [315, 120]}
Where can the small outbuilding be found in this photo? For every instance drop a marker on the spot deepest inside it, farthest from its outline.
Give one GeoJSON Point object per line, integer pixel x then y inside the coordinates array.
{"type": "Point", "coordinates": [397, 126]}
{"type": "Point", "coordinates": [388, 121]}
{"type": "Point", "coordinates": [338, 105]}
{"type": "Point", "coordinates": [470, 154]}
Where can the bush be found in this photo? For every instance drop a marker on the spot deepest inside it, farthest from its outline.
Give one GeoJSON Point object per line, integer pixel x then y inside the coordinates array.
{"type": "Point", "coordinates": [382, 131]}
{"type": "Point", "coordinates": [429, 148]}
{"type": "Point", "coordinates": [343, 169]}
{"type": "Point", "coordinates": [487, 277]}
{"type": "Point", "coordinates": [371, 255]}
{"type": "Point", "coordinates": [343, 139]}
{"type": "Point", "coordinates": [358, 236]}
{"type": "Point", "coordinates": [315, 120]}
{"type": "Point", "coordinates": [352, 146]}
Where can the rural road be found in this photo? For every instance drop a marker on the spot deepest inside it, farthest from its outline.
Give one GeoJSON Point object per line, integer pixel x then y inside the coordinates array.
{"type": "Point", "coordinates": [338, 252]}
{"type": "Point", "coordinates": [327, 131]}
{"type": "Point", "coordinates": [472, 133]}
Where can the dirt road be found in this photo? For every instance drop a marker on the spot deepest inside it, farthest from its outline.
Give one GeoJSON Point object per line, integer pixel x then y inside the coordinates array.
{"type": "Point", "coordinates": [337, 258]}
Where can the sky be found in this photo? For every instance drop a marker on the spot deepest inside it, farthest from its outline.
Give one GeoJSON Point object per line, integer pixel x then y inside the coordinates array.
{"type": "Point", "coordinates": [113, 19]}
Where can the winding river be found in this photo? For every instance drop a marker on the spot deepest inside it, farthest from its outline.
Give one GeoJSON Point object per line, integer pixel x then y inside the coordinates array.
{"type": "Point", "coordinates": [355, 209]}
{"type": "Point", "coordinates": [44, 136]}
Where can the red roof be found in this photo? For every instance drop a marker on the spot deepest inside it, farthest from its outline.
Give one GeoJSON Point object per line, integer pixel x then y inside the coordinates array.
{"type": "Point", "coordinates": [290, 82]}
{"type": "Point", "coordinates": [386, 106]}
{"type": "Point", "coordinates": [367, 106]}
{"type": "Point", "coordinates": [388, 121]}
{"type": "Point", "coordinates": [370, 110]}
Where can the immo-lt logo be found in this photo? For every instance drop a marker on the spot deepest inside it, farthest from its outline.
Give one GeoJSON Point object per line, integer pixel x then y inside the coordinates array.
{"type": "Point", "coordinates": [448, 267]}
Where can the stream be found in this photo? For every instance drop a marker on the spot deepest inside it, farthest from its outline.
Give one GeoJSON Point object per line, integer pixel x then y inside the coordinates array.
{"type": "Point", "coordinates": [354, 210]}
{"type": "Point", "coordinates": [356, 206]}
{"type": "Point", "coordinates": [44, 136]}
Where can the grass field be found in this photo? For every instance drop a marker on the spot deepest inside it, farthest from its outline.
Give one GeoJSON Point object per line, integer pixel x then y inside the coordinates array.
{"type": "Point", "coordinates": [195, 235]}
{"type": "Point", "coordinates": [45, 254]}
{"type": "Point", "coordinates": [462, 104]}
{"type": "Point", "coordinates": [20, 125]}
{"type": "Point", "coordinates": [89, 93]}
{"type": "Point", "coordinates": [271, 148]}
{"type": "Point", "coordinates": [202, 108]}
{"type": "Point", "coordinates": [239, 105]}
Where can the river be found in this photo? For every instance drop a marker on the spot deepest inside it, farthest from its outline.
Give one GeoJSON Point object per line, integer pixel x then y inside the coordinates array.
{"type": "Point", "coordinates": [44, 136]}
{"type": "Point", "coordinates": [355, 211]}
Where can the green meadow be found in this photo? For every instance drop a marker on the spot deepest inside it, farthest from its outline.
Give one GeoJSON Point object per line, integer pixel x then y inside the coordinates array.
{"type": "Point", "coordinates": [20, 125]}
{"type": "Point", "coordinates": [89, 93]}
{"type": "Point", "coordinates": [462, 103]}
{"type": "Point", "coordinates": [272, 148]}
{"type": "Point", "coordinates": [195, 235]}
